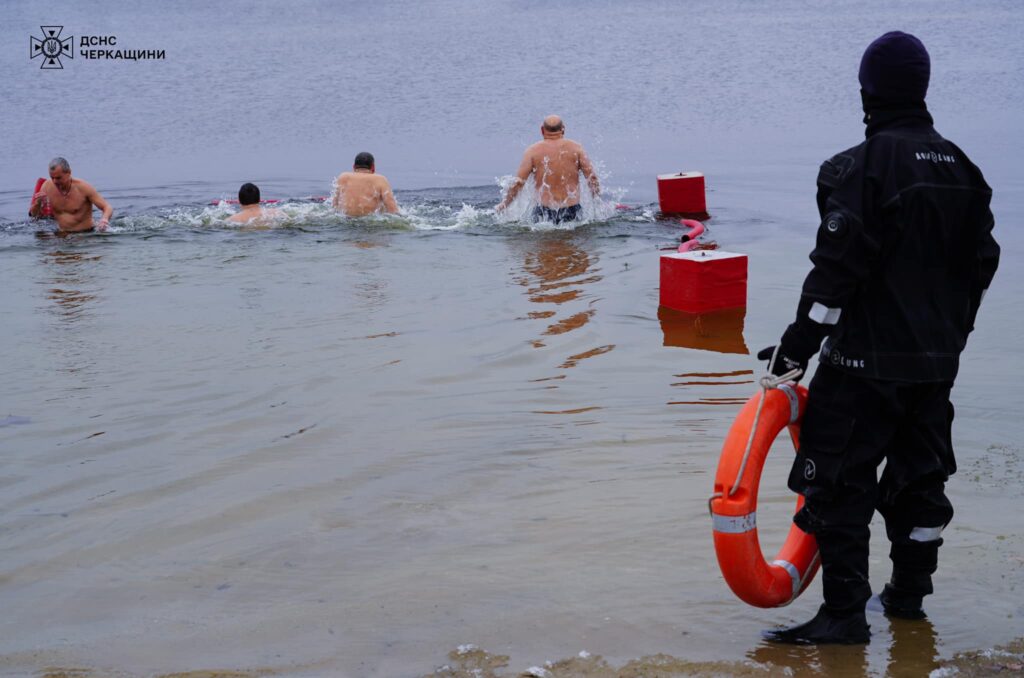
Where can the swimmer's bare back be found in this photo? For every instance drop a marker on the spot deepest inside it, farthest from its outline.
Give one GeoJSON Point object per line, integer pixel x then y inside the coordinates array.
{"type": "Point", "coordinates": [556, 165]}
{"type": "Point", "coordinates": [361, 193]}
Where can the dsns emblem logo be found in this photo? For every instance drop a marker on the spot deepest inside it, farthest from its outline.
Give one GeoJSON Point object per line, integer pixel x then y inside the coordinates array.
{"type": "Point", "coordinates": [52, 47]}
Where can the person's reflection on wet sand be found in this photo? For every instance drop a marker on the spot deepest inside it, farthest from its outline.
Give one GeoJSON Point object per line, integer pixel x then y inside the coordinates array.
{"type": "Point", "coordinates": [833, 661]}
{"type": "Point", "coordinates": [913, 651]}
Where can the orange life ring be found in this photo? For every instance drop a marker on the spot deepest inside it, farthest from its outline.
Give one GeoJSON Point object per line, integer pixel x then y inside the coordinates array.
{"type": "Point", "coordinates": [734, 506]}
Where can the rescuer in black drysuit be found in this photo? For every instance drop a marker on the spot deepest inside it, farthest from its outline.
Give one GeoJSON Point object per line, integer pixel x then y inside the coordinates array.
{"type": "Point", "coordinates": [902, 259]}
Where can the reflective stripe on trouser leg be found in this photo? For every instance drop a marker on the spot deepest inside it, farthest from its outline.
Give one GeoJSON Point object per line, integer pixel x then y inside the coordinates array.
{"type": "Point", "coordinates": [926, 533]}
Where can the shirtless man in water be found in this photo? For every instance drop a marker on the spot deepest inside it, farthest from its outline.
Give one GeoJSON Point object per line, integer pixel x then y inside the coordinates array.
{"type": "Point", "coordinates": [252, 212]}
{"type": "Point", "coordinates": [555, 163]}
{"type": "Point", "coordinates": [362, 191]}
{"type": "Point", "coordinates": [70, 199]}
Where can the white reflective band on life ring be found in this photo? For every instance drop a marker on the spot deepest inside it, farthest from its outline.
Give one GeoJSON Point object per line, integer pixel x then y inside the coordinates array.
{"type": "Point", "coordinates": [794, 402]}
{"type": "Point", "coordinates": [734, 524]}
{"type": "Point", "coordinates": [925, 533]}
{"type": "Point", "coordinates": [794, 574]}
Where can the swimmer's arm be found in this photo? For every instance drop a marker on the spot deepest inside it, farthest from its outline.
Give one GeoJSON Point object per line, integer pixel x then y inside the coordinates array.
{"type": "Point", "coordinates": [390, 206]}
{"type": "Point", "coordinates": [94, 197]}
{"type": "Point", "coordinates": [524, 172]}
{"type": "Point", "coordinates": [336, 201]}
{"type": "Point", "coordinates": [588, 172]}
{"type": "Point", "coordinates": [38, 201]}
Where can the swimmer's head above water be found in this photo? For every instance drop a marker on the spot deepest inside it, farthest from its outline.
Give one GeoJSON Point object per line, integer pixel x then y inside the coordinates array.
{"type": "Point", "coordinates": [60, 174]}
{"type": "Point", "coordinates": [248, 194]}
{"type": "Point", "coordinates": [552, 127]}
{"type": "Point", "coordinates": [364, 161]}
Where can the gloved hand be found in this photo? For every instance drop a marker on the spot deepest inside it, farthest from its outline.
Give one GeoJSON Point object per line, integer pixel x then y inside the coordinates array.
{"type": "Point", "coordinates": [799, 342]}
{"type": "Point", "coordinates": [783, 362]}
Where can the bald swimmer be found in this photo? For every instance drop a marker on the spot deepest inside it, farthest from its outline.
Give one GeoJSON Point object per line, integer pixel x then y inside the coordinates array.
{"type": "Point", "coordinates": [362, 191]}
{"type": "Point", "coordinates": [555, 163]}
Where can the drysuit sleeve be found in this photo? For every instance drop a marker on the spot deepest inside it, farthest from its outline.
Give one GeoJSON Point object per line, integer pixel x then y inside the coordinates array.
{"type": "Point", "coordinates": [986, 262]}
{"type": "Point", "coordinates": [846, 251]}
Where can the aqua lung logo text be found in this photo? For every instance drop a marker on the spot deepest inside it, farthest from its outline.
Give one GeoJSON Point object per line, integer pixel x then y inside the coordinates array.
{"type": "Point", "coordinates": [840, 360]}
{"type": "Point", "coordinates": [52, 47]}
{"type": "Point", "coordinates": [932, 156]}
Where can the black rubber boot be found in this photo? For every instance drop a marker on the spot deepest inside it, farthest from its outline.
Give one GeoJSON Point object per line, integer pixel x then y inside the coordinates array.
{"type": "Point", "coordinates": [826, 628]}
{"type": "Point", "coordinates": [901, 604]}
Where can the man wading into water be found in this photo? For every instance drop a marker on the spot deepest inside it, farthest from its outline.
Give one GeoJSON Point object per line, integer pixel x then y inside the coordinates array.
{"type": "Point", "coordinates": [903, 257]}
{"type": "Point", "coordinates": [362, 191]}
{"type": "Point", "coordinates": [70, 199]}
{"type": "Point", "coordinates": [556, 163]}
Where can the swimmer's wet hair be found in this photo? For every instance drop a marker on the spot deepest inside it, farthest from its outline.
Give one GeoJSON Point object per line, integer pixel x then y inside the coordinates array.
{"type": "Point", "coordinates": [249, 194]}
{"type": "Point", "coordinates": [61, 163]}
{"type": "Point", "coordinates": [363, 160]}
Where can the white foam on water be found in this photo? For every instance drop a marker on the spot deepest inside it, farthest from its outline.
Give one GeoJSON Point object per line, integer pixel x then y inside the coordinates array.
{"type": "Point", "coordinates": [593, 209]}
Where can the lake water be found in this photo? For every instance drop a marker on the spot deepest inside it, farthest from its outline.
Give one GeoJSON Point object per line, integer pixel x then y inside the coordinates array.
{"type": "Point", "coordinates": [445, 442]}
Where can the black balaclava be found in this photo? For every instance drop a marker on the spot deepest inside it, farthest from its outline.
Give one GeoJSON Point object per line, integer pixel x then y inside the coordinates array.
{"type": "Point", "coordinates": [894, 73]}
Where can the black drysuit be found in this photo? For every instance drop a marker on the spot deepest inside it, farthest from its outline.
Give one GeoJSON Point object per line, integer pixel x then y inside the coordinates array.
{"type": "Point", "coordinates": [902, 259]}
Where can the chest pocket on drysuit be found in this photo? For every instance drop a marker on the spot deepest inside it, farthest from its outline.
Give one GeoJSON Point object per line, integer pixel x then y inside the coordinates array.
{"type": "Point", "coordinates": [824, 438]}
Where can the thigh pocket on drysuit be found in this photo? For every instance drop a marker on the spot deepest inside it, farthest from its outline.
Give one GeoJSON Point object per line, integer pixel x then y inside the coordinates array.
{"type": "Point", "coordinates": [824, 438]}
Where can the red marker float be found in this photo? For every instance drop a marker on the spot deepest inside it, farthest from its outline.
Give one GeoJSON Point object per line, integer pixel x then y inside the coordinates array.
{"type": "Point", "coordinates": [682, 193]}
{"type": "Point", "coordinates": [47, 212]}
{"type": "Point", "coordinates": [698, 281]}
{"type": "Point", "coordinates": [312, 198]}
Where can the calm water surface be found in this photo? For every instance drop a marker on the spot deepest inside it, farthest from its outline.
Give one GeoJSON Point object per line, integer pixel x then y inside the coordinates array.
{"type": "Point", "coordinates": [444, 442]}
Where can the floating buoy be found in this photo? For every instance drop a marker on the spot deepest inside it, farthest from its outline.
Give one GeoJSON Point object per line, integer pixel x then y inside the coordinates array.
{"type": "Point", "coordinates": [734, 504]}
{"type": "Point", "coordinates": [698, 281]}
{"type": "Point", "coordinates": [682, 194]}
{"type": "Point", "coordinates": [47, 212]}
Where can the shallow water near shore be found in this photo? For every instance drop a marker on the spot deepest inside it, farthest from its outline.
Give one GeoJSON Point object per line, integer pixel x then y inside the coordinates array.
{"type": "Point", "coordinates": [447, 443]}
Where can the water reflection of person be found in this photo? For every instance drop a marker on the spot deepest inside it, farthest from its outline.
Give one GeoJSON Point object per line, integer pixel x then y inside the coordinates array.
{"type": "Point", "coordinates": [832, 661]}
{"type": "Point", "coordinates": [67, 278]}
{"type": "Point", "coordinates": [68, 282]}
{"type": "Point", "coordinates": [913, 651]}
{"type": "Point", "coordinates": [559, 269]}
